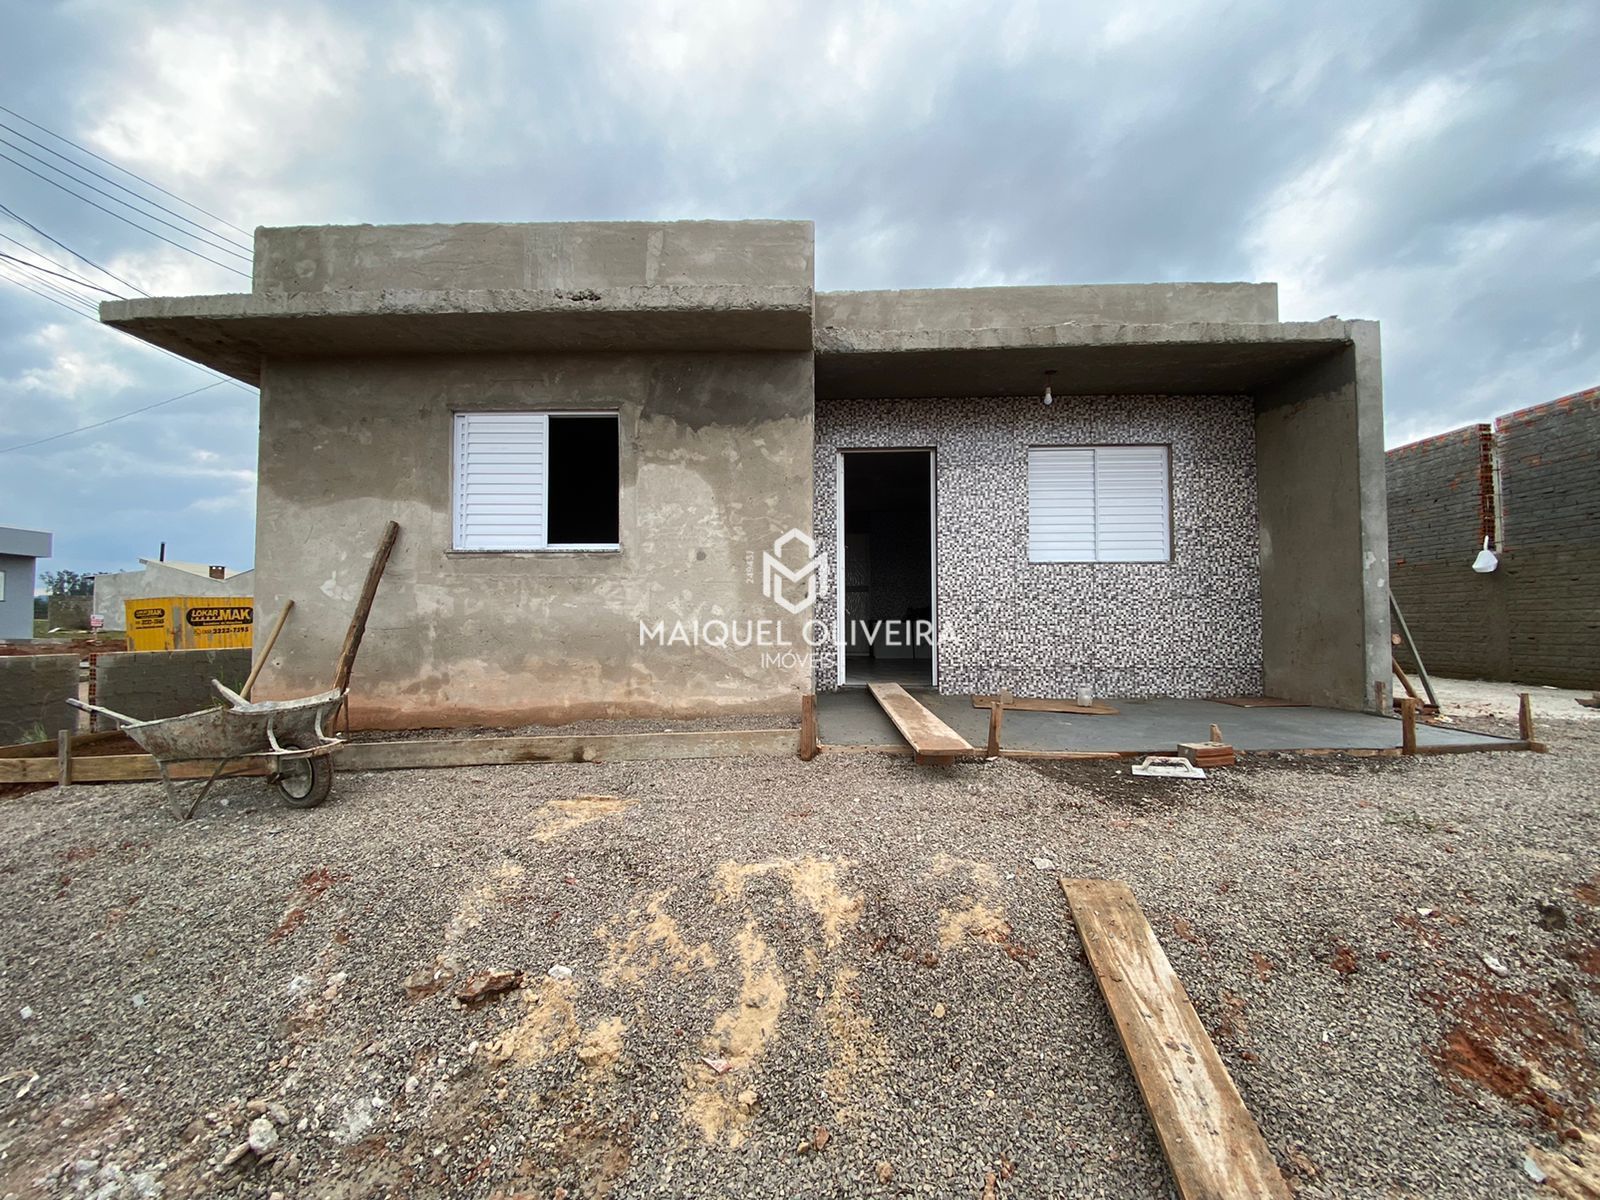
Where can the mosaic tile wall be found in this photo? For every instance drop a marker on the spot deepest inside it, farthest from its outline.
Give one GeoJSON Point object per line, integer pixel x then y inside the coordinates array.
{"type": "Point", "coordinates": [1186, 628]}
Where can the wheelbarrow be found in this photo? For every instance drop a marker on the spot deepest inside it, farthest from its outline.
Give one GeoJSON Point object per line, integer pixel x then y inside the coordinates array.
{"type": "Point", "coordinates": [286, 734]}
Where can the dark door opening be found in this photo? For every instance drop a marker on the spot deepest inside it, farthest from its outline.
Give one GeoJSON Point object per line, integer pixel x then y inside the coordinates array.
{"type": "Point", "coordinates": [887, 581]}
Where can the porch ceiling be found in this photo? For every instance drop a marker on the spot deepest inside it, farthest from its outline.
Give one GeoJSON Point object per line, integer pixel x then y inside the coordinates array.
{"type": "Point", "coordinates": [1191, 359]}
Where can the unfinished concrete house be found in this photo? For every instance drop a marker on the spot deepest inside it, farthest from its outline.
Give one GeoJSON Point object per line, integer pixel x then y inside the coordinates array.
{"type": "Point", "coordinates": [645, 470]}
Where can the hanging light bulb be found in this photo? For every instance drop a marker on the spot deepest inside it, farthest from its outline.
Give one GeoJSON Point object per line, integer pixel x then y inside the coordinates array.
{"type": "Point", "coordinates": [1048, 398]}
{"type": "Point", "coordinates": [1486, 560]}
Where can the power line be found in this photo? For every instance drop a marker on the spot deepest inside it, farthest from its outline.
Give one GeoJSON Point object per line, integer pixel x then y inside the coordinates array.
{"type": "Point", "coordinates": [89, 314]}
{"type": "Point", "coordinates": [81, 302]}
{"type": "Point", "coordinates": [60, 265]}
{"type": "Point", "coordinates": [119, 417]}
{"type": "Point", "coordinates": [80, 257]}
{"type": "Point", "coordinates": [235, 248]}
{"type": "Point", "coordinates": [104, 178]}
{"type": "Point", "coordinates": [59, 275]}
{"type": "Point", "coordinates": [124, 170]}
{"type": "Point", "coordinates": [120, 217]}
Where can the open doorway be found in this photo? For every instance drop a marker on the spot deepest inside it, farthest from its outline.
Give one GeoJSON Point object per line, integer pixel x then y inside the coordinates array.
{"type": "Point", "coordinates": [886, 581]}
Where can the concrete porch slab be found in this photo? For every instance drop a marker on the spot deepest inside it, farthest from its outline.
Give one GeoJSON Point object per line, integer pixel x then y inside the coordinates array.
{"type": "Point", "coordinates": [851, 718]}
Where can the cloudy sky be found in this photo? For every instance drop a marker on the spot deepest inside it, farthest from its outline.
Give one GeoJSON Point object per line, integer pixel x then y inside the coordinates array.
{"type": "Point", "coordinates": [1431, 164]}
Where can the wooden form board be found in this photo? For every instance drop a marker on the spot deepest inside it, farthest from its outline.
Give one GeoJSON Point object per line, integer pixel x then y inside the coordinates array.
{"type": "Point", "coordinates": [442, 752]}
{"type": "Point", "coordinates": [1212, 1144]}
{"type": "Point", "coordinates": [930, 738]}
{"type": "Point", "coordinates": [1030, 704]}
{"type": "Point", "coordinates": [1260, 702]}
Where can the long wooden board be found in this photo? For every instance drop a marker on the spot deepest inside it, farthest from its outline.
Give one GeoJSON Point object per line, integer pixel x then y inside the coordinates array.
{"type": "Point", "coordinates": [444, 752]}
{"type": "Point", "coordinates": [1033, 704]}
{"type": "Point", "coordinates": [1212, 1144]}
{"type": "Point", "coordinates": [930, 738]}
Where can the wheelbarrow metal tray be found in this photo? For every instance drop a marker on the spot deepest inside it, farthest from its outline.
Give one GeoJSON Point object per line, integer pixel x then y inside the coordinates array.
{"type": "Point", "coordinates": [242, 731]}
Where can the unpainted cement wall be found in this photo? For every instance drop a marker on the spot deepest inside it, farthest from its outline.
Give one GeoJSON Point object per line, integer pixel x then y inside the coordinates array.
{"type": "Point", "coordinates": [1534, 619]}
{"type": "Point", "coordinates": [1189, 627]}
{"type": "Point", "coordinates": [34, 689]}
{"type": "Point", "coordinates": [1324, 550]}
{"type": "Point", "coordinates": [1024, 307]}
{"type": "Point", "coordinates": [165, 683]}
{"type": "Point", "coordinates": [715, 465]}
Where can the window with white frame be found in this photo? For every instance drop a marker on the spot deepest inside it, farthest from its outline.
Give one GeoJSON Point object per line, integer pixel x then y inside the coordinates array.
{"type": "Point", "coordinates": [536, 481]}
{"type": "Point", "coordinates": [1098, 504]}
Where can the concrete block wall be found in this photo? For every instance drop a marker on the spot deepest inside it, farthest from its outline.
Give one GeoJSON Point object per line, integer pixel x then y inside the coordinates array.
{"type": "Point", "coordinates": [34, 689]}
{"type": "Point", "coordinates": [165, 683]}
{"type": "Point", "coordinates": [1535, 619]}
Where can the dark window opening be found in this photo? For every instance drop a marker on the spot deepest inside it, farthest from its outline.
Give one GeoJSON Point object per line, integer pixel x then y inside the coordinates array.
{"type": "Point", "coordinates": [584, 481]}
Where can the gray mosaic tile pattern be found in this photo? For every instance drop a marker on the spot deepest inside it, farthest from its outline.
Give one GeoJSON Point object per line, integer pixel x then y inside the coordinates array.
{"type": "Point", "coordinates": [1186, 628]}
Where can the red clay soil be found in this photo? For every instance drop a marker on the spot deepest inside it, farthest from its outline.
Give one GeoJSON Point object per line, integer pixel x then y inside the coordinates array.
{"type": "Point", "coordinates": [1529, 1049]}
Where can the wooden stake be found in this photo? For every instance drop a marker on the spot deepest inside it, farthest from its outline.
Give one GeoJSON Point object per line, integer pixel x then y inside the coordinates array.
{"type": "Point", "coordinates": [358, 622]}
{"type": "Point", "coordinates": [1216, 733]}
{"type": "Point", "coordinates": [1405, 680]}
{"type": "Point", "coordinates": [64, 756]}
{"type": "Point", "coordinates": [808, 726]}
{"type": "Point", "coordinates": [266, 649]}
{"type": "Point", "coordinates": [1408, 726]}
{"type": "Point", "coordinates": [997, 716]}
{"type": "Point", "coordinates": [1525, 724]}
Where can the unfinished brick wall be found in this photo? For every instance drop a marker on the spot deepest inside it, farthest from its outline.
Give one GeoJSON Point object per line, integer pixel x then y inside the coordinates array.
{"type": "Point", "coordinates": [164, 683]}
{"type": "Point", "coordinates": [1536, 619]}
{"type": "Point", "coordinates": [33, 696]}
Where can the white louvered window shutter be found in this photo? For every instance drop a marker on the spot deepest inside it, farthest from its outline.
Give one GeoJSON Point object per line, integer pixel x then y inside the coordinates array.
{"type": "Point", "coordinates": [1060, 504]}
{"type": "Point", "coordinates": [1130, 504]}
{"type": "Point", "coordinates": [501, 480]}
{"type": "Point", "coordinates": [1098, 504]}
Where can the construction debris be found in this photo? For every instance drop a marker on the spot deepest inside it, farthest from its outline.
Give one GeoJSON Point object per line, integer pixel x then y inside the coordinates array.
{"type": "Point", "coordinates": [1165, 766]}
{"type": "Point", "coordinates": [1208, 754]}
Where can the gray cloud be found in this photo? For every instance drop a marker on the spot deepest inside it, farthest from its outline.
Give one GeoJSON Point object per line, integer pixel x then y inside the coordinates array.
{"type": "Point", "coordinates": [1434, 165]}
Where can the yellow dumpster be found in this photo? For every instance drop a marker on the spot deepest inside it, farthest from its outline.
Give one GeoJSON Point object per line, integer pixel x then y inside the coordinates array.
{"type": "Point", "coordinates": [190, 622]}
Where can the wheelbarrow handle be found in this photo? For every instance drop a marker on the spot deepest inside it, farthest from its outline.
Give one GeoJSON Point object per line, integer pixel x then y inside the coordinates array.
{"type": "Point", "coordinates": [96, 708]}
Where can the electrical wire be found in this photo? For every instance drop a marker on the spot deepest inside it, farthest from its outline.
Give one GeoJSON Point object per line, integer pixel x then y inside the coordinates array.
{"type": "Point", "coordinates": [233, 248]}
{"type": "Point", "coordinates": [80, 257]}
{"type": "Point", "coordinates": [58, 274]}
{"type": "Point", "coordinates": [81, 302]}
{"type": "Point", "coordinates": [104, 178]}
{"type": "Point", "coordinates": [27, 288]}
{"type": "Point", "coordinates": [54, 437]}
{"type": "Point", "coordinates": [124, 170]}
{"type": "Point", "coordinates": [120, 217]}
{"type": "Point", "coordinates": [5, 237]}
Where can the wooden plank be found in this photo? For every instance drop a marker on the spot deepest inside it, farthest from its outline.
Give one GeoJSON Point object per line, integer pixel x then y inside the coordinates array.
{"type": "Point", "coordinates": [358, 621]}
{"type": "Point", "coordinates": [49, 749]}
{"type": "Point", "coordinates": [808, 726]}
{"type": "Point", "coordinates": [1212, 1144]}
{"type": "Point", "coordinates": [443, 752]}
{"type": "Point", "coordinates": [930, 737]}
{"type": "Point", "coordinates": [1033, 704]}
{"type": "Point", "coordinates": [1258, 702]}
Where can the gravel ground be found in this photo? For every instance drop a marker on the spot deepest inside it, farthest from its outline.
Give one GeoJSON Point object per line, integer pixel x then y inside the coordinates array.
{"type": "Point", "coordinates": [893, 987]}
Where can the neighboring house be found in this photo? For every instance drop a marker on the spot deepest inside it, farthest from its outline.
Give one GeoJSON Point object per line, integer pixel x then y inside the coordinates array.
{"type": "Point", "coordinates": [157, 578]}
{"type": "Point", "coordinates": [610, 447]}
{"type": "Point", "coordinates": [19, 550]}
{"type": "Point", "coordinates": [1530, 484]}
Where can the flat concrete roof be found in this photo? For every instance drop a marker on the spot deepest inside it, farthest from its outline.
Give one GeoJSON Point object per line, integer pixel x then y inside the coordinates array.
{"type": "Point", "coordinates": [1194, 358]}
{"type": "Point", "coordinates": [24, 543]}
{"type": "Point", "coordinates": [233, 333]}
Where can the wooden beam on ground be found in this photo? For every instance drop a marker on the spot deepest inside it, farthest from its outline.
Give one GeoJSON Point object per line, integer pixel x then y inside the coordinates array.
{"type": "Point", "coordinates": [931, 739]}
{"type": "Point", "coordinates": [808, 726]}
{"type": "Point", "coordinates": [1032, 704]}
{"type": "Point", "coordinates": [1212, 1144]}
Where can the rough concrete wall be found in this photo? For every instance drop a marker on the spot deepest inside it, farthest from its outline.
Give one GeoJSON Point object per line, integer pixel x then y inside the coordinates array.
{"type": "Point", "coordinates": [550, 255]}
{"type": "Point", "coordinates": [1439, 499]}
{"type": "Point", "coordinates": [715, 465]}
{"type": "Point", "coordinates": [112, 591]}
{"type": "Point", "coordinates": [1014, 307]}
{"type": "Point", "coordinates": [1550, 501]}
{"type": "Point", "coordinates": [1189, 627]}
{"type": "Point", "coordinates": [16, 610]}
{"type": "Point", "coordinates": [1324, 546]}
{"type": "Point", "coordinates": [34, 689]}
{"type": "Point", "coordinates": [165, 683]}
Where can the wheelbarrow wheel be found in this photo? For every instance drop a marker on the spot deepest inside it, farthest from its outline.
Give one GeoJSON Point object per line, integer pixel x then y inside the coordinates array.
{"type": "Point", "coordinates": [305, 782]}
